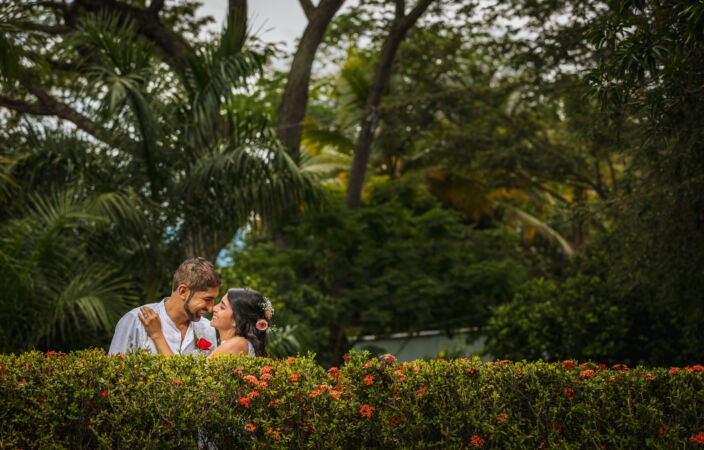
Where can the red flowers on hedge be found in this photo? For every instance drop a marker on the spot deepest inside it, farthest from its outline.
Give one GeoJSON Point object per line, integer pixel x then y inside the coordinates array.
{"type": "Point", "coordinates": [369, 380]}
{"type": "Point", "coordinates": [244, 401]}
{"type": "Point", "coordinates": [586, 373]}
{"type": "Point", "coordinates": [568, 364]}
{"type": "Point", "coordinates": [698, 438]}
{"type": "Point", "coordinates": [477, 441]}
{"type": "Point", "coordinates": [366, 410]}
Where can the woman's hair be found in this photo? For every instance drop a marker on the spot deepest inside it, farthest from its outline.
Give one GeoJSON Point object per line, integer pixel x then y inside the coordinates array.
{"type": "Point", "coordinates": [248, 307]}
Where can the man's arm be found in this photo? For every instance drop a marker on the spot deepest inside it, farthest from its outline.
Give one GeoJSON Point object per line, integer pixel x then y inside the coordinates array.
{"type": "Point", "coordinates": [125, 337]}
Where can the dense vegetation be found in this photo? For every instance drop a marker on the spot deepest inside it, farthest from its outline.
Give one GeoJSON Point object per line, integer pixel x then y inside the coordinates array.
{"type": "Point", "coordinates": [86, 400]}
{"type": "Point", "coordinates": [534, 169]}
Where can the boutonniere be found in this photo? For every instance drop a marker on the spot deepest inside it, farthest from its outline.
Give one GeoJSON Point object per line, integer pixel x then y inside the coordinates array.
{"type": "Point", "coordinates": [203, 345]}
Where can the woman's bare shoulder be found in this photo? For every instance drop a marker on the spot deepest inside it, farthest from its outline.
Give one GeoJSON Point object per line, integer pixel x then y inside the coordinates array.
{"type": "Point", "coordinates": [235, 345]}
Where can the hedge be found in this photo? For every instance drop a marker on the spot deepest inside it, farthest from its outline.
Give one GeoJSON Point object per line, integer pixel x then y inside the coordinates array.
{"type": "Point", "coordinates": [87, 399]}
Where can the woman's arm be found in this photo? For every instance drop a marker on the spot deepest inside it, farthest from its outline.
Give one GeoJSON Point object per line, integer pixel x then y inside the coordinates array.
{"type": "Point", "coordinates": [152, 323]}
{"type": "Point", "coordinates": [234, 346]}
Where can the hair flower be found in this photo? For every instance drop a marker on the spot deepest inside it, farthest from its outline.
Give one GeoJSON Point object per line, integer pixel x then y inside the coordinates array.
{"type": "Point", "coordinates": [262, 325]}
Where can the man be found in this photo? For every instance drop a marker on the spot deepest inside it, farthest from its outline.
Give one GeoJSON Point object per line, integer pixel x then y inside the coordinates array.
{"type": "Point", "coordinates": [195, 286]}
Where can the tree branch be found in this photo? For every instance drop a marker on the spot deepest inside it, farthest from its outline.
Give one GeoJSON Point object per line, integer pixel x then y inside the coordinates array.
{"type": "Point", "coordinates": [400, 9]}
{"type": "Point", "coordinates": [49, 29]}
{"type": "Point", "coordinates": [50, 106]}
{"type": "Point", "coordinates": [308, 8]}
{"type": "Point", "coordinates": [155, 6]}
{"type": "Point", "coordinates": [171, 43]}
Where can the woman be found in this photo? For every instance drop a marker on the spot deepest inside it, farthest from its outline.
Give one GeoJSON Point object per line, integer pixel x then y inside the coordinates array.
{"type": "Point", "coordinates": [241, 318]}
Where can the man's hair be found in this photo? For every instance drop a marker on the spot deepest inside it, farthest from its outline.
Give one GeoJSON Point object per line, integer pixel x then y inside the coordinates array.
{"type": "Point", "coordinates": [198, 274]}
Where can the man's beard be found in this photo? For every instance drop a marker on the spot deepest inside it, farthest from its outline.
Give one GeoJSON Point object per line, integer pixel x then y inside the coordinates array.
{"type": "Point", "coordinates": [192, 317]}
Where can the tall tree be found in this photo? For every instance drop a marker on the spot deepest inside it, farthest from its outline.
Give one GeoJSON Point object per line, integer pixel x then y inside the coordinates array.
{"type": "Point", "coordinates": [402, 22]}
{"type": "Point", "coordinates": [292, 108]}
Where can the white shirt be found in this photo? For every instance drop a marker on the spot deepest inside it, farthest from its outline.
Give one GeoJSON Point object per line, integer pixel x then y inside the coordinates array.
{"type": "Point", "coordinates": [130, 333]}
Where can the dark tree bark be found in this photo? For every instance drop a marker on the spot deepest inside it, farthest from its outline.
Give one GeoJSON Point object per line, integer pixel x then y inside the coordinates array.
{"type": "Point", "coordinates": [399, 27]}
{"type": "Point", "coordinates": [292, 108]}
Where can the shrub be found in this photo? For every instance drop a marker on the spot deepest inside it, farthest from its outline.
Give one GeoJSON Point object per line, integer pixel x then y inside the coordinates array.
{"type": "Point", "coordinates": [86, 399]}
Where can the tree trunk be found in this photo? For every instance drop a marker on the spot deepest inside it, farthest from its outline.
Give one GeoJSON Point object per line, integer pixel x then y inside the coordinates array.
{"type": "Point", "coordinates": [292, 108]}
{"type": "Point", "coordinates": [400, 26]}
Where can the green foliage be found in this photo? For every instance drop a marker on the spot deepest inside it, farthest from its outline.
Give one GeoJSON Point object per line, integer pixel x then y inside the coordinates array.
{"type": "Point", "coordinates": [401, 262]}
{"type": "Point", "coordinates": [87, 399]}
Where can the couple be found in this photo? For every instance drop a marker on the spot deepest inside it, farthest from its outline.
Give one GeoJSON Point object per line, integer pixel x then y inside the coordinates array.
{"type": "Point", "coordinates": [176, 326]}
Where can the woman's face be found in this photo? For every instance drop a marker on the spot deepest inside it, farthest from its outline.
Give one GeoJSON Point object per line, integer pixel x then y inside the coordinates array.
{"type": "Point", "coordinates": [222, 315]}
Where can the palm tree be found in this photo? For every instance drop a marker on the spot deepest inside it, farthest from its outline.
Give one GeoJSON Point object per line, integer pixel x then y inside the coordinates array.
{"type": "Point", "coordinates": [164, 163]}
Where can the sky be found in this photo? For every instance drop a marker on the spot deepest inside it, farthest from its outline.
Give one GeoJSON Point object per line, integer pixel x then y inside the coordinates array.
{"type": "Point", "coordinates": [270, 20]}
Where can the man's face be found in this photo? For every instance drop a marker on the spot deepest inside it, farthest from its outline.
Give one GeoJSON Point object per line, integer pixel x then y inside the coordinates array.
{"type": "Point", "coordinates": [199, 303]}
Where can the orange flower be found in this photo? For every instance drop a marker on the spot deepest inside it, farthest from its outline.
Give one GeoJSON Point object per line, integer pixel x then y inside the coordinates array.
{"type": "Point", "coordinates": [569, 393]}
{"type": "Point", "coordinates": [252, 394]}
{"type": "Point", "coordinates": [369, 379]}
{"type": "Point", "coordinates": [568, 364]}
{"type": "Point", "coordinates": [265, 369]}
{"type": "Point", "coordinates": [266, 377]}
{"type": "Point", "coordinates": [477, 441]}
{"type": "Point", "coordinates": [294, 377]}
{"type": "Point", "coordinates": [674, 370]}
{"type": "Point", "coordinates": [346, 357]}
{"type": "Point", "coordinates": [251, 427]}
{"type": "Point", "coordinates": [252, 379]}
{"type": "Point", "coordinates": [502, 417]}
{"type": "Point", "coordinates": [290, 359]}
{"type": "Point", "coordinates": [395, 420]}
{"type": "Point", "coordinates": [104, 394]}
{"type": "Point", "coordinates": [244, 401]}
{"type": "Point", "coordinates": [273, 403]}
{"type": "Point", "coordinates": [389, 358]}
{"type": "Point", "coordinates": [698, 438]}
{"type": "Point", "coordinates": [51, 353]}
{"type": "Point", "coordinates": [366, 410]}
{"type": "Point", "coordinates": [586, 373]}
{"type": "Point", "coordinates": [176, 381]}
{"type": "Point", "coordinates": [335, 394]}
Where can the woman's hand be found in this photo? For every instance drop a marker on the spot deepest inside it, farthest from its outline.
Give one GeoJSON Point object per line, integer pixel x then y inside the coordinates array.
{"type": "Point", "coordinates": [150, 320]}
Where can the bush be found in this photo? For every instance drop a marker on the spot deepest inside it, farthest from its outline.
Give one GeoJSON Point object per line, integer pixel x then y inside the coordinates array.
{"type": "Point", "coordinates": [86, 399]}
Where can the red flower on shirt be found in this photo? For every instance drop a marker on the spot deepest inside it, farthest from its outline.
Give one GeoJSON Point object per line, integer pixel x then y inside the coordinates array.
{"type": "Point", "coordinates": [204, 344]}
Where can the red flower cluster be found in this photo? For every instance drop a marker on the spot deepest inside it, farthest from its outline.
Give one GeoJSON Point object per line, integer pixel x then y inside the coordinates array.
{"type": "Point", "coordinates": [252, 394]}
{"type": "Point", "coordinates": [250, 427]}
{"type": "Point", "coordinates": [273, 403]}
{"type": "Point", "coordinates": [698, 438]}
{"type": "Point", "coordinates": [674, 370]}
{"type": "Point", "coordinates": [294, 377]}
{"type": "Point", "coordinates": [662, 430]}
{"type": "Point", "coordinates": [477, 441]}
{"type": "Point", "coordinates": [51, 353]}
{"type": "Point", "coordinates": [265, 369]}
{"type": "Point", "coordinates": [369, 380]}
{"type": "Point", "coordinates": [389, 358]}
{"type": "Point", "coordinates": [104, 394]}
{"type": "Point", "coordinates": [176, 381]}
{"type": "Point", "coordinates": [695, 368]}
{"type": "Point", "coordinates": [394, 421]}
{"type": "Point", "coordinates": [568, 364]}
{"type": "Point", "coordinates": [273, 434]}
{"type": "Point", "coordinates": [244, 401]}
{"type": "Point", "coordinates": [586, 373]}
{"type": "Point", "coordinates": [203, 344]}
{"type": "Point", "coordinates": [366, 410]}
{"type": "Point", "coordinates": [502, 417]}
{"type": "Point", "coordinates": [569, 393]}
{"type": "Point", "coordinates": [266, 377]}
{"type": "Point", "coordinates": [251, 379]}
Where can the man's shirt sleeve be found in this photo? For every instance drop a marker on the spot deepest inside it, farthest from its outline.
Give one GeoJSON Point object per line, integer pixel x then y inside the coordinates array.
{"type": "Point", "coordinates": [125, 338]}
